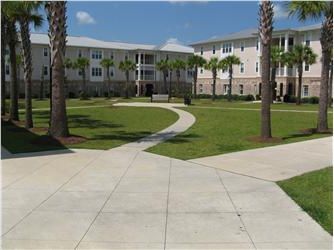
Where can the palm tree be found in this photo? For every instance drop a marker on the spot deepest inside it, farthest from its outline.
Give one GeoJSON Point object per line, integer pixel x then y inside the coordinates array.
{"type": "Point", "coordinates": [276, 57]}
{"type": "Point", "coordinates": [318, 10]}
{"type": "Point", "coordinates": [266, 16]}
{"type": "Point", "coordinates": [68, 64]}
{"type": "Point", "coordinates": [163, 66]}
{"type": "Point", "coordinates": [8, 9]}
{"type": "Point", "coordinates": [227, 63]}
{"type": "Point", "coordinates": [82, 64]}
{"type": "Point", "coordinates": [3, 69]}
{"type": "Point", "coordinates": [108, 63]}
{"type": "Point", "coordinates": [127, 66]}
{"type": "Point", "coordinates": [56, 12]}
{"type": "Point", "coordinates": [179, 65]}
{"type": "Point", "coordinates": [26, 13]}
{"type": "Point", "coordinates": [213, 65]}
{"type": "Point", "coordinates": [330, 87]}
{"type": "Point", "coordinates": [298, 56]}
{"type": "Point", "coordinates": [195, 62]}
{"type": "Point", "coordinates": [170, 70]}
{"type": "Point", "coordinates": [41, 86]}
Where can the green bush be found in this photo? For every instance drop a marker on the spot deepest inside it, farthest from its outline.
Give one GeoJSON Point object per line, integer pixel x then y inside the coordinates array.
{"type": "Point", "coordinates": [289, 98]}
{"type": "Point", "coordinates": [310, 100]}
{"type": "Point", "coordinates": [247, 98]}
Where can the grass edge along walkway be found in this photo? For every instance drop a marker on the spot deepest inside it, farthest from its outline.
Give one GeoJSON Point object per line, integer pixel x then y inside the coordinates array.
{"type": "Point", "coordinates": [313, 192]}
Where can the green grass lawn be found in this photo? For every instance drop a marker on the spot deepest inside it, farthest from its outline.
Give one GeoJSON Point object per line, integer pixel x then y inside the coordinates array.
{"type": "Point", "coordinates": [219, 131]}
{"type": "Point", "coordinates": [103, 127]}
{"type": "Point", "coordinates": [313, 192]}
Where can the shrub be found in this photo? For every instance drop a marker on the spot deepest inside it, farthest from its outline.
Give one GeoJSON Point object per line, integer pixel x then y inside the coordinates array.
{"type": "Point", "coordinates": [71, 95]}
{"type": "Point", "coordinates": [246, 98]}
{"type": "Point", "coordinates": [258, 97]}
{"type": "Point", "coordinates": [83, 96]}
{"type": "Point", "coordinates": [289, 98]}
{"type": "Point", "coordinates": [311, 100]}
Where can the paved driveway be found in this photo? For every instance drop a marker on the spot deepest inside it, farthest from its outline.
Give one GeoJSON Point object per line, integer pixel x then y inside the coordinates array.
{"type": "Point", "coordinates": [125, 198]}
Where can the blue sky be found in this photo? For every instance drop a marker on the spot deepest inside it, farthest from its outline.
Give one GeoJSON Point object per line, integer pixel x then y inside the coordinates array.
{"type": "Point", "coordinates": [157, 22]}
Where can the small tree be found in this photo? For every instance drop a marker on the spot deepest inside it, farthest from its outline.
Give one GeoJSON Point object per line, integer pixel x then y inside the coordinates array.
{"type": "Point", "coordinates": [213, 65]}
{"type": "Point", "coordinates": [127, 66]}
{"type": "Point", "coordinates": [68, 64]}
{"type": "Point", "coordinates": [82, 64]}
{"type": "Point", "coordinates": [227, 63]}
{"type": "Point", "coordinates": [179, 65]}
{"type": "Point", "coordinates": [163, 66]}
{"type": "Point", "coordinates": [276, 57]}
{"type": "Point", "coordinates": [298, 56]}
{"type": "Point", "coordinates": [108, 63]}
{"type": "Point", "coordinates": [194, 62]}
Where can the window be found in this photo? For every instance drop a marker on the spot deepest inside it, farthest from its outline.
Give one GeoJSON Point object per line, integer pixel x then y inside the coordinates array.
{"type": "Point", "coordinates": [224, 70]}
{"type": "Point", "coordinates": [96, 71]}
{"type": "Point", "coordinates": [79, 72]}
{"type": "Point", "coordinates": [167, 57]}
{"type": "Point", "coordinates": [45, 70]}
{"type": "Point", "coordinates": [112, 71]}
{"type": "Point", "coordinates": [97, 54]}
{"type": "Point", "coordinates": [112, 55]}
{"type": "Point", "coordinates": [305, 90]}
{"type": "Point", "coordinates": [201, 88]}
{"type": "Point", "coordinates": [7, 69]}
{"type": "Point", "coordinates": [227, 48]}
{"type": "Point", "coordinates": [242, 46]}
{"type": "Point", "coordinates": [126, 56]}
{"type": "Point", "coordinates": [257, 67]}
{"type": "Point", "coordinates": [307, 43]}
{"type": "Point", "coordinates": [306, 68]}
{"type": "Point", "coordinates": [189, 73]}
{"type": "Point", "coordinates": [45, 51]}
{"type": "Point", "coordinates": [6, 51]}
{"type": "Point", "coordinates": [242, 68]}
{"type": "Point", "coordinates": [201, 70]}
{"type": "Point", "coordinates": [225, 89]}
{"type": "Point", "coordinates": [201, 50]}
{"type": "Point", "coordinates": [241, 89]}
{"type": "Point", "coordinates": [79, 53]}
{"type": "Point", "coordinates": [257, 44]}
{"type": "Point", "coordinates": [213, 49]}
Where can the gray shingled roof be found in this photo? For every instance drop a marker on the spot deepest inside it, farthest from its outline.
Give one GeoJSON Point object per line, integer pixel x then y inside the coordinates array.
{"type": "Point", "coordinates": [81, 41]}
{"type": "Point", "coordinates": [248, 33]}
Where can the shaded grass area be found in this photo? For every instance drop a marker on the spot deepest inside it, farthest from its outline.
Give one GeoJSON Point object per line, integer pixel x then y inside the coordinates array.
{"type": "Point", "coordinates": [104, 128]}
{"type": "Point", "coordinates": [219, 131]}
{"type": "Point", "coordinates": [313, 192]}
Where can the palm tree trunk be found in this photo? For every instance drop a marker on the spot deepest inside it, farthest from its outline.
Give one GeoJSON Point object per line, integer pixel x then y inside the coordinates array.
{"type": "Point", "coordinates": [3, 67]}
{"type": "Point", "coordinates": [177, 83]}
{"type": "Point", "coordinates": [273, 86]}
{"type": "Point", "coordinates": [127, 84]}
{"type": "Point", "coordinates": [41, 87]}
{"type": "Point", "coordinates": [266, 97]}
{"type": "Point", "coordinates": [108, 73]}
{"type": "Point", "coordinates": [330, 87]}
{"type": "Point", "coordinates": [195, 82]}
{"type": "Point", "coordinates": [230, 83]}
{"type": "Point", "coordinates": [84, 83]}
{"type": "Point", "coordinates": [322, 125]}
{"type": "Point", "coordinates": [57, 20]}
{"type": "Point", "coordinates": [299, 88]}
{"type": "Point", "coordinates": [27, 62]}
{"type": "Point", "coordinates": [165, 82]}
{"type": "Point", "coordinates": [14, 106]}
{"type": "Point", "coordinates": [214, 74]}
{"type": "Point", "coordinates": [170, 85]}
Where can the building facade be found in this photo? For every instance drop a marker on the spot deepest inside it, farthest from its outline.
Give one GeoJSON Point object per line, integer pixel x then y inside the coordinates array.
{"type": "Point", "coordinates": [246, 76]}
{"type": "Point", "coordinates": [145, 80]}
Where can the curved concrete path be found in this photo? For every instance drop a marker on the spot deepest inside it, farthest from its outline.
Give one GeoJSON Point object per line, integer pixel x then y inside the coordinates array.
{"type": "Point", "coordinates": [185, 121]}
{"type": "Point", "coordinates": [126, 198]}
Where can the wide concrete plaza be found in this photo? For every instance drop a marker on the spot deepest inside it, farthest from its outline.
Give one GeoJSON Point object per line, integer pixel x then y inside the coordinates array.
{"type": "Point", "coordinates": [126, 198]}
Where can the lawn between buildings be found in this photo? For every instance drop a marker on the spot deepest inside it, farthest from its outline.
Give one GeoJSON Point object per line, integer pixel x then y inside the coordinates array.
{"type": "Point", "coordinates": [217, 130]}
{"type": "Point", "coordinates": [313, 192]}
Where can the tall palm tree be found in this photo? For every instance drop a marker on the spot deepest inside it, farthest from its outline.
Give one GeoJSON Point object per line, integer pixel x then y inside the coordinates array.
{"type": "Point", "coordinates": [276, 57]}
{"type": "Point", "coordinates": [82, 64]}
{"type": "Point", "coordinates": [3, 69]}
{"type": "Point", "coordinates": [179, 65]}
{"type": "Point", "coordinates": [26, 13]}
{"type": "Point", "coordinates": [298, 56]}
{"type": "Point", "coordinates": [68, 64]}
{"type": "Point", "coordinates": [108, 63]}
{"type": "Point", "coordinates": [8, 9]}
{"type": "Point", "coordinates": [213, 65]}
{"type": "Point", "coordinates": [163, 66]}
{"type": "Point", "coordinates": [170, 70]}
{"type": "Point", "coordinates": [330, 87]}
{"type": "Point", "coordinates": [227, 63]}
{"type": "Point", "coordinates": [56, 12]}
{"type": "Point", "coordinates": [195, 62]}
{"type": "Point", "coordinates": [127, 66]}
{"type": "Point", "coordinates": [319, 10]}
{"type": "Point", "coordinates": [266, 18]}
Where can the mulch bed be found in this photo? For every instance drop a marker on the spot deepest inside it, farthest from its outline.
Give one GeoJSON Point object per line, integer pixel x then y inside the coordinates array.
{"type": "Point", "coordinates": [56, 141]}
{"type": "Point", "coordinates": [259, 139]}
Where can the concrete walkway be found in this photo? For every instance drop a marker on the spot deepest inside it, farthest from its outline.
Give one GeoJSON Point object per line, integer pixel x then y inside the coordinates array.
{"type": "Point", "coordinates": [125, 198]}
{"type": "Point", "coordinates": [277, 162]}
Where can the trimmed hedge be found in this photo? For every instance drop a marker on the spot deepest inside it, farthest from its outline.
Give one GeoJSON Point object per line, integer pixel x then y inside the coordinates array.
{"type": "Point", "coordinates": [311, 100]}
{"type": "Point", "coordinates": [233, 97]}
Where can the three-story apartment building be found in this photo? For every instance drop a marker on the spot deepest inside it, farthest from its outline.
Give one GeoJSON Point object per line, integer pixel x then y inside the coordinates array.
{"type": "Point", "coordinates": [145, 79]}
{"type": "Point", "coordinates": [246, 76]}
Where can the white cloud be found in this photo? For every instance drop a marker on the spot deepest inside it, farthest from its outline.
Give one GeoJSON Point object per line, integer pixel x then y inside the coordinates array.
{"type": "Point", "coordinates": [173, 40]}
{"type": "Point", "coordinates": [280, 12]}
{"type": "Point", "coordinates": [84, 18]}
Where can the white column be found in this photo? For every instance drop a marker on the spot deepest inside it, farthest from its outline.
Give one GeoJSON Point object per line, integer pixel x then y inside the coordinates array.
{"type": "Point", "coordinates": [286, 38]}
{"type": "Point", "coordinates": [139, 66]}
